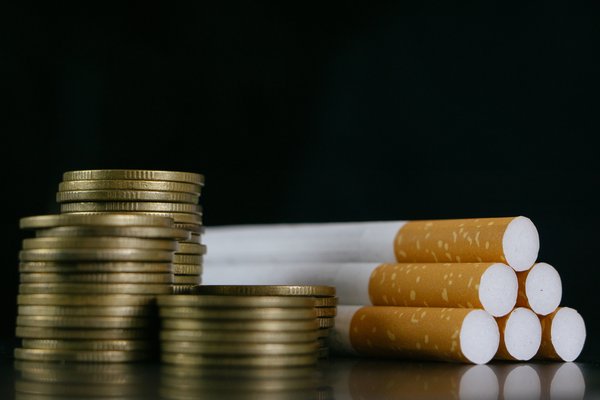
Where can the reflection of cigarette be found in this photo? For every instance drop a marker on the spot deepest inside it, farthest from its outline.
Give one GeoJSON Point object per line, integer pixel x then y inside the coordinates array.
{"type": "Point", "coordinates": [512, 240]}
{"type": "Point", "coordinates": [491, 286]}
{"type": "Point", "coordinates": [561, 381]}
{"type": "Point", "coordinates": [563, 335]}
{"type": "Point", "coordinates": [518, 381]}
{"type": "Point", "coordinates": [452, 334]}
{"type": "Point", "coordinates": [520, 335]}
{"type": "Point", "coordinates": [540, 289]}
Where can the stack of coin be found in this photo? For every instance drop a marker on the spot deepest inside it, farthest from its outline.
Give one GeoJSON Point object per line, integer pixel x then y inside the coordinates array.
{"type": "Point", "coordinates": [162, 193]}
{"type": "Point", "coordinates": [324, 297]}
{"type": "Point", "coordinates": [238, 331]}
{"type": "Point", "coordinates": [89, 285]}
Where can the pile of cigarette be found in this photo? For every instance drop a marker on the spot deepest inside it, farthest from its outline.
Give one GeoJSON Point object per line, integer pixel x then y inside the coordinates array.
{"type": "Point", "coordinates": [467, 290]}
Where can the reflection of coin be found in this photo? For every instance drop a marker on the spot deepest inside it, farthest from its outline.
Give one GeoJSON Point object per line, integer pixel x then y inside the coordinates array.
{"type": "Point", "coordinates": [89, 345]}
{"type": "Point", "coordinates": [239, 313]}
{"type": "Point", "coordinates": [134, 174]}
{"type": "Point", "coordinates": [80, 356]}
{"type": "Point", "coordinates": [93, 288]}
{"type": "Point", "coordinates": [267, 290]}
{"type": "Point", "coordinates": [252, 361]}
{"type": "Point", "coordinates": [85, 300]}
{"type": "Point", "coordinates": [56, 220]}
{"type": "Point", "coordinates": [234, 301]}
{"type": "Point", "coordinates": [242, 336]}
{"type": "Point", "coordinates": [86, 311]}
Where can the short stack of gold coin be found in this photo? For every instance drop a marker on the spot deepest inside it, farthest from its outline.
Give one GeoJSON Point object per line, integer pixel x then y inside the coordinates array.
{"type": "Point", "coordinates": [89, 285]}
{"type": "Point", "coordinates": [238, 331]}
{"type": "Point", "coordinates": [163, 193]}
{"type": "Point", "coordinates": [324, 297]}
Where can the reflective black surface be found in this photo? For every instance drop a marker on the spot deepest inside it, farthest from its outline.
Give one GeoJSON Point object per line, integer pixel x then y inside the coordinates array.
{"type": "Point", "coordinates": [333, 379]}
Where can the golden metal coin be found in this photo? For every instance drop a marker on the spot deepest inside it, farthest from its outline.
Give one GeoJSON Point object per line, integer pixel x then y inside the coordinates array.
{"type": "Point", "coordinates": [148, 232]}
{"type": "Point", "coordinates": [126, 195]}
{"type": "Point", "coordinates": [97, 278]}
{"type": "Point", "coordinates": [323, 332]}
{"type": "Point", "coordinates": [186, 259]}
{"type": "Point", "coordinates": [35, 390]}
{"type": "Point", "coordinates": [107, 300]}
{"type": "Point", "coordinates": [115, 374]}
{"type": "Point", "coordinates": [191, 373]}
{"type": "Point", "coordinates": [187, 269]}
{"type": "Point", "coordinates": [241, 349]}
{"type": "Point", "coordinates": [100, 267]}
{"type": "Point", "coordinates": [178, 218]}
{"type": "Point", "coordinates": [253, 361]}
{"type": "Point", "coordinates": [194, 228]}
{"type": "Point", "coordinates": [238, 337]}
{"type": "Point", "coordinates": [186, 279]}
{"type": "Point", "coordinates": [326, 312]}
{"type": "Point", "coordinates": [87, 311]}
{"type": "Point", "coordinates": [191, 248]}
{"type": "Point", "coordinates": [77, 254]}
{"type": "Point", "coordinates": [234, 301]}
{"type": "Point", "coordinates": [84, 322]}
{"type": "Point", "coordinates": [241, 325]}
{"type": "Point", "coordinates": [326, 322]}
{"type": "Point", "coordinates": [195, 238]}
{"type": "Point", "coordinates": [68, 333]}
{"type": "Point", "coordinates": [124, 206]}
{"type": "Point", "coordinates": [117, 184]}
{"type": "Point", "coordinates": [134, 174]}
{"type": "Point", "coordinates": [100, 242]}
{"type": "Point", "coordinates": [182, 289]}
{"type": "Point", "coordinates": [268, 290]}
{"type": "Point", "coordinates": [326, 301]}
{"type": "Point", "coordinates": [93, 288]}
{"type": "Point", "coordinates": [238, 313]}
{"type": "Point", "coordinates": [79, 356]}
{"type": "Point", "coordinates": [242, 387]}
{"type": "Point", "coordinates": [112, 219]}
{"type": "Point", "coordinates": [89, 345]}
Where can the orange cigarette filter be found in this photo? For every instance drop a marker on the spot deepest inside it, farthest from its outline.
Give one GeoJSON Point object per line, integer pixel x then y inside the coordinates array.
{"type": "Point", "coordinates": [450, 334]}
{"type": "Point", "coordinates": [513, 241]}
{"type": "Point", "coordinates": [491, 286]}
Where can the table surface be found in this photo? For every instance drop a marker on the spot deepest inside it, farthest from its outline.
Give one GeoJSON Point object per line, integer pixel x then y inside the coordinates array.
{"type": "Point", "coordinates": [336, 378]}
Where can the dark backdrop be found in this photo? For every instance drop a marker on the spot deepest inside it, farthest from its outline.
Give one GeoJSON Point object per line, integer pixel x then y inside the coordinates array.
{"type": "Point", "coordinates": [319, 113]}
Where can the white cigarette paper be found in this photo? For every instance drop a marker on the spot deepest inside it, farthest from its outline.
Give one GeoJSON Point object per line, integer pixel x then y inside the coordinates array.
{"type": "Point", "coordinates": [512, 240]}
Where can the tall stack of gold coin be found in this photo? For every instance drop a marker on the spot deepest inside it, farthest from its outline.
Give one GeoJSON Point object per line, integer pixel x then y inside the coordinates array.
{"type": "Point", "coordinates": [89, 284]}
{"type": "Point", "coordinates": [324, 298]}
{"type": "Point", "coordinates": [163, 193]}
{"type": "Point", "coordinates": [238, 331]}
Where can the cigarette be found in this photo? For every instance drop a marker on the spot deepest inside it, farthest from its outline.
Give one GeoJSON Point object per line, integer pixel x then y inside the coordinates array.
{"type": "Point", "coordinates": [563, 335]}
{"type": "Point", "coordinates": [491, 286]}
{"type": "Point", "coordinates": [449, 334]}
{"type": "Point", "coordinates": [540, 289]}
{"type": "Point", "coordinates": [520, 335]}
{"type": "Point", "coordinates": [513, 241]}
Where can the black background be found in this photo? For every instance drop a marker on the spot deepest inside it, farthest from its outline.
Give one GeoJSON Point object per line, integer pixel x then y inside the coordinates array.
{"type": "Point", "coordinates": [299, 113]}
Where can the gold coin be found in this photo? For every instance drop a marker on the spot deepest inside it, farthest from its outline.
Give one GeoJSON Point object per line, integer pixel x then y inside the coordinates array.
{"type": "Point", "coordinates": [186, 259]}
{"type": "Point", "coordinates": [191, 248]}
{"type": "Point", "coordinates": [108, 267]}
{"type": "Point", "coordinates": [124, 206]}
{"type": "Point", "coordinates": [126, 195]}
{"type": "Point", "coordinates": [240, 349]}
{"type": "Point", "coordinates": [76, 254]}
{"type": "Point", "coordinates": [238, 313]}
{"type": "Point", "coordinates": [326, 322]}
{"type": "Point", "coordinates": [253, 361]}
{"type": "Point", "coordinates": [326, 301]}
{"type": "Point", "coordinates": [118, 375]}
{"type": "Point", "coordinates": [186, 279]}
{"type": "Point", "coordinates": [323, 332]}
{"type": "Point", "coordinates": [238, 337]}
{"type": "Point", "coordinates": [191, 373]}
{"type": "Point", "coordinates": [97, 278]}
{"type": "Point", "coordinates": [112, 219]}
{"type": "Point", "coordinates": [194, 228]}
{"type": "Point", "coordinates": [195, 238]}
{"type": "Point", "coordinates": [326, 312]}
{"type": "Point", "coordinates": [68, 333]}
{"type": "Point", "coordinates": [241, 325]}
{"type": "Point", "coordinates": [84, 322]}
{"type": "Point", "coordinates": [242, 387]}
{"type": "Point", "coordinates": [268, 290]}
{"type": "Point", "coordinates": [148, 232]}
{"type": "Point", "coordinates": [87, 311]}
{"type": "Point", "coordinates": [115, 184]}
{"type": "Point", "coordinates": [93, 288]}
{"type": "Point", "coordinates": [107, 300]}
{"type": "Point", "coordinates": [235, 301]}
{"type": "Point", "coordinates": [79, 356]}
{"type": "Point", "coordinates": [178, 218]}
{"type": "Point", "coordinates": [89, 345]}
{"type": "Point", "coordinates": [187, 269]}
{"type": "Point", "coordinates": [134, 174]}
{"type": "Point", "coordinates": [32, 390]}
{"type": "Point", "coordinates": [182, 289]}
{"type": "Point", "coordinates": [98, 243]}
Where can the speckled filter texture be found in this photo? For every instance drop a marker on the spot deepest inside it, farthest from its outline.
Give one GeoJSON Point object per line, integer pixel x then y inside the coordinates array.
{"type": "Point", "coordinates": [408, 332]}
{"type": "Point", "coordinates": [455, 240]}
{"type": "Point", "coordinates": [427, 285]}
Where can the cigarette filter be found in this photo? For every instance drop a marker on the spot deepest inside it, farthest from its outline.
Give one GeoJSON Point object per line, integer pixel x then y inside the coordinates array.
{"type": "Point", "coordinates": [450, 334]}
{"type": "Point", "coordinates": [540, 289]}
{"type": "Point", "coordinates": [563, 335]}
{"type": "Point", "coordinates": [513, 241]}
{"type": "Point", "coordinates": [520, 335]}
